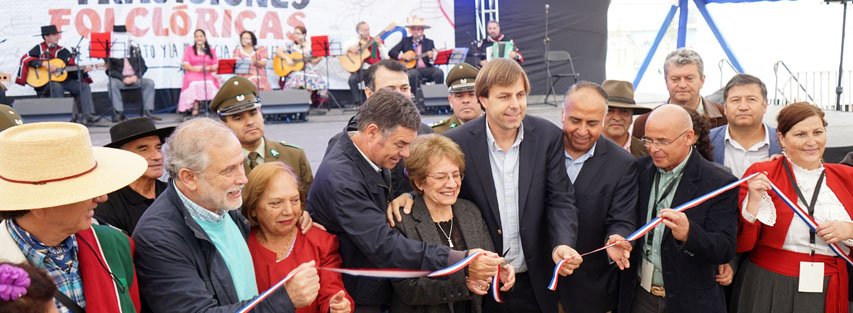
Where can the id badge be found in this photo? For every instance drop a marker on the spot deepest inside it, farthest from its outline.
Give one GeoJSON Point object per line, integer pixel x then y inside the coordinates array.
{"type": "Point", "coordinates": [647, 273]}
{"type": "Point", "coordinates": [811, 277]}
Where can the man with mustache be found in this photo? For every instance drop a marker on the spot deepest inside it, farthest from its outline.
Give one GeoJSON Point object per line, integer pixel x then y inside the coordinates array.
{"type": "Point", "coordinates": [238, 107]}
{"type": "Point", "coordinates": [620, 110]}
{"type": "Point", "coordinates": [684, 72]}
{"type": "Point", "coordinates": [460, 84]}
{"type": "Point", "coordinates": [191, 248]}
{"type": "Point", "coordinates": [125, 206]}
{"type": "Point", "coordinates": [604, 177]}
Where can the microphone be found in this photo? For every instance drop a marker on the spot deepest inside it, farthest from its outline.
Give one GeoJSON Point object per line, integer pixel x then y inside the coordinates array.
{"type": "Point", "coordinates": [547, 6]}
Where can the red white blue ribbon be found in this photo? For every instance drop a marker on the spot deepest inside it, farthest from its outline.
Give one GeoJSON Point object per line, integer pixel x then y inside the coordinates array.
{"type": "Point", "coordinates": [804, 215]}
{"type": "Point", "coordinates": [496, 290]}
{"type": "Point", "coordinates": [377, 273]}
{"type": "Point", "coordinates": [652, 224]}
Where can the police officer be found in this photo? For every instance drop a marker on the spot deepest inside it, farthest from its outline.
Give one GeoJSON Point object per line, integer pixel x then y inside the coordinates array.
{"type": "Point", "coordinates": [239, 108]}
{"type": "Point", "coordinates": [460, 84]}
{"type": "Point", "coordinates": [9, 117]}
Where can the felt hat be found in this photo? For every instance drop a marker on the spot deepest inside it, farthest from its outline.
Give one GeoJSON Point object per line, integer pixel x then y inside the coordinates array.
{"type": "Point", "coordinates": [237, 95]}
{"type": "Point", "coordinates": [49, 30]}
{"type": "Point", "coordinates": [135, 128]}
{"type": "Point", "coordinates": [9, 117]}
{"type": "Point", "coordinates": [620, 94]}
{"type": "Point", "coordinates": [53, 163]}
{"type": "Point", "coordinates": [461, 78]}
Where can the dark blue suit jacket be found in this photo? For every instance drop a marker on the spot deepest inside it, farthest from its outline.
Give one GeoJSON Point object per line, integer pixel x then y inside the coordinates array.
{"type": "Point", "coordinates": [718, 139]}
{"type": "Point", "coordinates": [690, 267]}
{"type": "Point", "coordinates": [606, 197]}
{"type": "Point", "coordinates": [546, 198]}
{"type": "Point", "coordinates": [349, 198]}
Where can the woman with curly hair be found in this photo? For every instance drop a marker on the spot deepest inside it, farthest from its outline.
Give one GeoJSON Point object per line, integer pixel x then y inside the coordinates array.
{"type": "Point", "coordinates": [701, 127]}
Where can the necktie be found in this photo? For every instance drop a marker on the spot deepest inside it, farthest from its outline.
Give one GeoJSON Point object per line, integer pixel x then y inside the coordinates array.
{"type": "Point", "coordinates": [253, 159]}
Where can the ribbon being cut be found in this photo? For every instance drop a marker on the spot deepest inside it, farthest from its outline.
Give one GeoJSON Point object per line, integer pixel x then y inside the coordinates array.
{"type": "Point", "coordinates": [393, 273]}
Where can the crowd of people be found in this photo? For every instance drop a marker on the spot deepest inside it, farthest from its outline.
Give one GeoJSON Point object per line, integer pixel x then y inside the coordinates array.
{"type": "Point", "coordinates": [96, 229]}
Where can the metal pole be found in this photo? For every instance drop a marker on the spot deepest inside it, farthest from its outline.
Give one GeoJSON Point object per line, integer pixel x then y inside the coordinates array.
{"type": "Point", "coordinates": [839, 89]}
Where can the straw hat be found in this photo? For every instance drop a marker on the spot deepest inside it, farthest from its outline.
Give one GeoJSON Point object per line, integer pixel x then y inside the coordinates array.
{"type": "Point", "coordinates": [414, 21]}
{"type": "Point", "coordinates": [51, 164]}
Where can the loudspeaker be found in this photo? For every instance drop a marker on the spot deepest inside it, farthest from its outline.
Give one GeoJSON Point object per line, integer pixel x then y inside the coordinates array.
{"type": "Point", "coordinates": [435, 99]}
{"type": "Point", "coordinates": [43, 106]}
{"type": "Point", "coordinates": [285, 105]}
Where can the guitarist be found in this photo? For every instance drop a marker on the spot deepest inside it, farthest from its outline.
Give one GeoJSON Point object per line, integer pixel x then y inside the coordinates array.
{"type": "Point", "coordinates": [377, 50]}
{"type": "Point", "coordinates": [50, 49]}
{"type": "Point", "coordinates": [421, 46]}
{"type": "Point", "coordinates": [307, 78]}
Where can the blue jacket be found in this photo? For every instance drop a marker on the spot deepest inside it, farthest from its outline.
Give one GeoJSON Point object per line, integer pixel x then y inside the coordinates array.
{"type": "Point", "coordinates": [718, 139]}
{"type": "Point", "coordinates": [179, 268]}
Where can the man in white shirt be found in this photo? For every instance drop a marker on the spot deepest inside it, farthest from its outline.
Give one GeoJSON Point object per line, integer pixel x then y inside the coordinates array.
{"type": "Point", "coordinates": [746, 139]}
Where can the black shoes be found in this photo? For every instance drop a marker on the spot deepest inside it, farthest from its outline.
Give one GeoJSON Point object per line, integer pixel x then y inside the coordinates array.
{"type": "Point", "coordinates": [118, 116]}
{"type": "Point", "coordinates": [147, 113]}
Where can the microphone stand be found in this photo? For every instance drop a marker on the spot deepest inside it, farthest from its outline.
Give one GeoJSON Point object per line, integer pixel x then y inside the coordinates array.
{"type": "Point", "coordinates": [547, 41]}
{"type": "Point", "coordinates": [839, 89]}
{"type": "Point", "coordinates": [204, 76]}
{"type": "Point", "coordinates": [257, 69]}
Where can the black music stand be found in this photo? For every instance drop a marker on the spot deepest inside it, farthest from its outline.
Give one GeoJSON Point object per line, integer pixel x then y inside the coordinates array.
{"type": "Point", "coordinates": [320, 48]}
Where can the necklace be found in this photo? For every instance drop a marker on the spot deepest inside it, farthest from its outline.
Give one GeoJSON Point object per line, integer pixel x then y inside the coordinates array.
{"type": "Point", "coordinates": [447, 234]}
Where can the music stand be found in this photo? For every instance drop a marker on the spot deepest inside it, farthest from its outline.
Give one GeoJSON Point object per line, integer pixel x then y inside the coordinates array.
{"type": "Point", "coordinates": [227, 66]}
{"type": "Point", "coordinates": [320, 48]}
{"type": "Point", "coordinates": [242, 67]}
{"type": "Point", "coordinates": [99, 45]}
{"type": "Point", "coordinates": [442, 57]}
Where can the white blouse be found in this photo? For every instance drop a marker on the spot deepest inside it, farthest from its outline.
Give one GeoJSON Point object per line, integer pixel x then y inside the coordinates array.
{"type": "Point", "coordinates": [827, 208]}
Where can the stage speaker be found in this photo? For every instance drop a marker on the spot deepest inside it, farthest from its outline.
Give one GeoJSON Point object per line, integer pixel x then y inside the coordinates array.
{"type": "Point", "coordinates": [285, 105]}
{"type": "Point", "coordinates": [435, 99]}
{"type": "Point", "coordinates": [43, 106]}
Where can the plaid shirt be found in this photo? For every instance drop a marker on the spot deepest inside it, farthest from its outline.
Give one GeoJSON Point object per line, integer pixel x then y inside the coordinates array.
{"type": "Point", "coordinates": [66, 276]}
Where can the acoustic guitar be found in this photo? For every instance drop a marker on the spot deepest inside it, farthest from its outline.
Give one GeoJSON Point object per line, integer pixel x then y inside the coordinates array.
{"type": "Point", "coordinates": [415, 57]}
{"type": "Point", "coordinates": [352, 61]}
{"type": "Point", "coordinates": [281, 68]}
{"type": "Point", "coordinates": [40, 76]}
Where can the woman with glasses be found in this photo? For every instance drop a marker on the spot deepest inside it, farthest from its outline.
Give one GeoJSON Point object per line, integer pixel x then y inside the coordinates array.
{"type": "Point", "coordinates": [790, 267]}
{"type": "Point", "coordinates": [435, 166]}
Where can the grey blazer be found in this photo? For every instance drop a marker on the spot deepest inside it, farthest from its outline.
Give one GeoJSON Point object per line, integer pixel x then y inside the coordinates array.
{"type": "Point", "coordinates": [436, 295]}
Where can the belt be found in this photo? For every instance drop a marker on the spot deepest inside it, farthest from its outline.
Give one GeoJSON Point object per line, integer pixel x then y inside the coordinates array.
{"type": "Point", "coordinates": [655, 290]}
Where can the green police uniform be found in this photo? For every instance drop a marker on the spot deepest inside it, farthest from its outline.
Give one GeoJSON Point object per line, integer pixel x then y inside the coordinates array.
{"type": "Point", "coordinates": [460, 79]}
{"type": "Point", "coordinates": [238, 95]}
{"type": "Point", "coordinates": [442, 126]}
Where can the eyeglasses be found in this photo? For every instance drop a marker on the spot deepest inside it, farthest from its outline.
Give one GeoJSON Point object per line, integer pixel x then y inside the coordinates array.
{"type": "Point", "coordinates": [445, 178]}
{"type": "Point", "coordinates": [660, 143]}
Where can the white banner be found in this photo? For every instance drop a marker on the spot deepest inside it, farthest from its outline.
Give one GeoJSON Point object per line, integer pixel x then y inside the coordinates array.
{"type": "Point", "coordinates": [163, 28]}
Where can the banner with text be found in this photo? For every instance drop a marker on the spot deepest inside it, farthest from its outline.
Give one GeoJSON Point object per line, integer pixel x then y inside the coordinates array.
{"type": "Point", "coordinates": [161, 29]}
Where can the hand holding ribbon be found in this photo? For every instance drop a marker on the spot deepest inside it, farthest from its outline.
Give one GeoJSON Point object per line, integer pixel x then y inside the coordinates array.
{"type": "Point", "coordinates": [567, 259]}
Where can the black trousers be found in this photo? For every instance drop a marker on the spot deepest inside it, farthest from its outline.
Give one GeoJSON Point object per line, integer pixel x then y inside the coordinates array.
{"type": "Point", "coordinates": [357, 94]}
{"type": "Point", "coordinates": [519, 299]}
{"type": "Point", "coordinates": [77, 88]}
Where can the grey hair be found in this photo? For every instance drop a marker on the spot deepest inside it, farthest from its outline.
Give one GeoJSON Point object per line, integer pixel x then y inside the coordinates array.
{"type": "Point", "coordinates": [187, 146]}
{"type": "Point", "coordinates": [388, 109]}
{"type": "Point", "coordinates": [682, 57]}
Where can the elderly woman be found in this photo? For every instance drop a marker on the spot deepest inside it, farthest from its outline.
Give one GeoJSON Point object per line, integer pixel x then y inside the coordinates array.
{"type": "Point", "coordinates": [271, 202]}
{"type": "Point", "coordinates": [435, 166]}
{"type": "Point", "coordinates": [790, 267]}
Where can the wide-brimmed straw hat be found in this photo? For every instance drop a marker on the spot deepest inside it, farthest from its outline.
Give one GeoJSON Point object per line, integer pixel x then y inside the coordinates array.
{"type": "Point", "coordinates": [414, 21]}
{"type": "Point", "coordinates": [53, 163]}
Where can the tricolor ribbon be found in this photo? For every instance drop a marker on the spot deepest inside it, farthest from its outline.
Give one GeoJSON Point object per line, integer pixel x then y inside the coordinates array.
{"type": "Point", "coordinates": [651, 225]}
{"type": "Point", "coordinates": [496, 290]}
{"type": "Point", "coordinates": [804, 215]}
{"type": "Point", "coordinates": [377, 273]}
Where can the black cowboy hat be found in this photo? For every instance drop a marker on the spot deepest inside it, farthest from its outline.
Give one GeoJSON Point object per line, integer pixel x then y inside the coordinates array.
{"type": "Point", "coordinates": [49, 30]}
{"type": "Point", "coordinates": [135, 128]}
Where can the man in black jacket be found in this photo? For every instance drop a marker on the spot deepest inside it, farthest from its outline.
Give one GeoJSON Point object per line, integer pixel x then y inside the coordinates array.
{"type": "Point", "coordinates": [409, 48]}
{"type": "Point", "coordinates": [126, 73]}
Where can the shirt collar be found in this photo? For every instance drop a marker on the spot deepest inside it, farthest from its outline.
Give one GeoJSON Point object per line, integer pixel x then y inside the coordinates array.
{"type": "Point", "coordinates": [373, 165]}
{"type": "Point", "coordinates": [493, 145]}
{"type": "Point", "coordinates": [198, 212]}
{"type": "Point", "coordinates": [589, 153]}
{"type": "Point", "coordinates": [62, 255]}
{"type": "Point", "coordinates": [766, 141]}
{"type": "Point", "coordinates": [260, 149]}
{"type": "Point", "coordinates": [627, 145]}
{"type": "Point", "coordinates": [679, 168]}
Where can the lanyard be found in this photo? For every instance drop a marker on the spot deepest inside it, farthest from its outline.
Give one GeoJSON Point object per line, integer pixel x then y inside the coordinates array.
{"type": "Point", "coordinates": [809, 204]}
{"type": "Point", "coordinates": [657, 200]}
